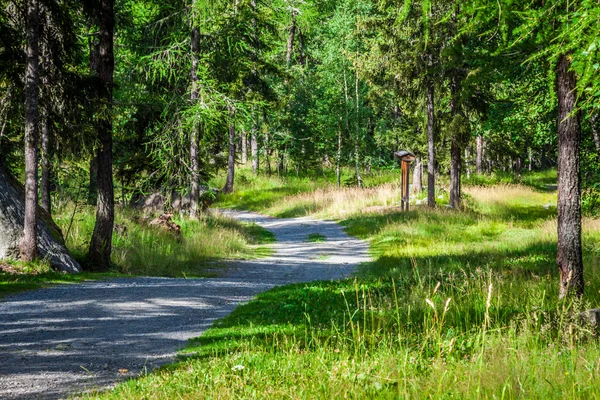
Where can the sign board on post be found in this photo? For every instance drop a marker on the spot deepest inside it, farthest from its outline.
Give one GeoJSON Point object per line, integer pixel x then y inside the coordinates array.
{"type": "Point", "coordinates": [405, 158]}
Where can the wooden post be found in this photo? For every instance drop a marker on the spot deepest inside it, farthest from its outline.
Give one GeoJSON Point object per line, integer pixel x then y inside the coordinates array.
{"type": "Point", "coordinates": [405, 158]}
{"type": "Point", "coordinates": [405, 198]}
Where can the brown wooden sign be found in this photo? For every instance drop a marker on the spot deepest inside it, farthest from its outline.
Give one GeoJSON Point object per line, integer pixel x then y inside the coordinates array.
{"type": "Point", "coordinates": [405, 158]}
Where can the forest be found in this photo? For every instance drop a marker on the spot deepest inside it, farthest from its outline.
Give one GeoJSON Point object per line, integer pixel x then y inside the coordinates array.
{"type": "Point", "coordinates": [147, 139]}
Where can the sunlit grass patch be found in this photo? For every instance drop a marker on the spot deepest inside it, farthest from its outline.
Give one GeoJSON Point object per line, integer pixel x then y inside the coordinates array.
{"type": "Point", "coordinates": [315, 238]}
{"type": "Point", "coordinates": [457, 304]}
{"type": "Point", "coordinates": [141, 249]}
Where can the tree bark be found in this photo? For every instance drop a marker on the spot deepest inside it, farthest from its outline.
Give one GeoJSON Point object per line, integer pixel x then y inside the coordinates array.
{"type": "Point", "coordinates": [479, 159]}
{"type": "Point", "coordinates": [455, 148]}
{"type": "Point", "coordinates": [266, 142]}
{"type": "Point", "coordinates": [101, 242]}
{"type": "Point", "coordinates": [430, 146]}
{"type": "Point", "coordinates": [290, 42]}
{"type": "Point", "coordinates": [194, 142]}
{"type": "Point", "coordinates": [254, 142]}
{"type": "Point", "coordinates": [45, 164]}
{"type": "Point", "coordinates": [595, 130]}
{"type": "Point", "coordinates": [28, 245]}
{"type": "Point", "coordinates": [338, 164]}
{"type": "Point", "coordinates": [569, 257]}
{"type": "Point", "coordinates": [244, 147]}
{"type": "Point", "coordinates": [228, 188]}
{"type": "Point", "coordinates": [417, 185]}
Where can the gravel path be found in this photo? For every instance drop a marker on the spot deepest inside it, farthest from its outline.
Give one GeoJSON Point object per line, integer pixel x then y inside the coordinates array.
{"type": "Point", "coordinates": [59, 341]}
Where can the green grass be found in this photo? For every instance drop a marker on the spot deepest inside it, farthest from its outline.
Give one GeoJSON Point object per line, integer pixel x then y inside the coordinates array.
{"type": "Point", "coordinates": [149, 251]}
{"type": "Point", "coordinates": [316, 238]}
{"type": "Point", "coordinates": [260, 192]}
{"type": "Point", "coordinates": [455, 305]}
{"type": "Point", "coordinates": [146, 250]}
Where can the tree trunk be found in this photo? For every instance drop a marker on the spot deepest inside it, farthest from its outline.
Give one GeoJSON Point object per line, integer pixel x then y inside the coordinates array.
{"type": "Point", "coordinates": [455, 151]}
{"type": "Point", "coordinates": [101, 242]}
{"type": "Point", "coordinates": [244, 147]}
{"type": "Point", "coordinates": [266, 141]}
{"type": "Point", "coordinates": [479, 159]}
{"type": "Point", "coordinates": [430, 146]}
{"type": "Point", "coordinates": [338, 165]}
{"type": "Point", "coordinates": [194, 135]}
{"type": "Point", "coordinates": [254, 142]}
{"type": "Point", "coordinates": [280, 162]}
{"type": "Point", "coordinates": [569, 256]}
{"type": "Point", "coordinates": [595, 130]}
{"type": "Point", "coordinates": [417, 185]}
{"type": "Point", "coordinates": [231, 158]}
{"type": "Point", "coordinates": [290, 42]}
{"type": "Point", "coordinates": [45, 164]}
{"type": "Point", "coordinates": [28, 244]}
{"type": "Point", "coordinates": [519, 167]}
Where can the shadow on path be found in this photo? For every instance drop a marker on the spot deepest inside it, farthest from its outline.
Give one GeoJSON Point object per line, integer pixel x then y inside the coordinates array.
{"type": "Point", "coordinates": [65, 339]}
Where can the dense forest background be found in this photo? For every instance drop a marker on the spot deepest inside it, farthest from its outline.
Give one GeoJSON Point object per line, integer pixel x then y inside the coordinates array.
{"type": "Point", "coordinates": [292, 86]}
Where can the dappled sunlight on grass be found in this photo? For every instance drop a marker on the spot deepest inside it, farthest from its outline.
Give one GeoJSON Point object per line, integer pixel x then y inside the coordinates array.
{"type": "Point", "coordinates": [457, 304]}
{"type": "Point", "coordinates": [140, 249]}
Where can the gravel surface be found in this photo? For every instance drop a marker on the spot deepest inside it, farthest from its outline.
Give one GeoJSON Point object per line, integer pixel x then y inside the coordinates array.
{"type": "Point", "coordinates": [62, 340]}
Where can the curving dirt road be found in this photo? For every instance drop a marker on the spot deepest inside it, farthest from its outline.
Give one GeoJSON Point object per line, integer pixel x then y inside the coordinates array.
{"type": "Point", "coordinates": [62, 340]}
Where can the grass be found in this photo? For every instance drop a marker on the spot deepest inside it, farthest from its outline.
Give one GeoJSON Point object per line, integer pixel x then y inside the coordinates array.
{"type": "Point", "coordinates": [262, 193]}
{"type": "Point", "coordinates": [316, 238]}
{"type": "Point", "coordinates": [140, 249]}
{"type": "Point", "coordinates": [457, 304]}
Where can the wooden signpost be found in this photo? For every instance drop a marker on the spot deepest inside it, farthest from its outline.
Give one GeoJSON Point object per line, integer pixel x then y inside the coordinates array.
{"type": "Point", "coordinates": [405, 158]}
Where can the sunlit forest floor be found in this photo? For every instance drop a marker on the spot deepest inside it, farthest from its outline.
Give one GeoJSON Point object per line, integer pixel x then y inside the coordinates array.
{"type": "Point", "coordinates": [457, 304]}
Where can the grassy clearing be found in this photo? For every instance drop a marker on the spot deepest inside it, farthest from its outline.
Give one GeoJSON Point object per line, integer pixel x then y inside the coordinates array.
{"type": "Point", "coordinates": [266, 193]}
{"type": "Point", "coordinates": [456, 305]}
{"type": "Point", "coordinates": [140, 249]}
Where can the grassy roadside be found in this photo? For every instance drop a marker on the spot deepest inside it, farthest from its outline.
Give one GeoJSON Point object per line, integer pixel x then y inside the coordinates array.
{"type": "Point", "coordinates": [140, 249]}
{"type": "Point", "coordinates": [456, 305]}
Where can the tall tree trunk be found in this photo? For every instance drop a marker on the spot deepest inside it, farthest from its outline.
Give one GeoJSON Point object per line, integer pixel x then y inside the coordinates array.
{"type": "Point", "coordinates": [28, 245]}
{"type": "Point", "coordinates": [356, 141]}
{"type": "Point", "coordinates": [194, 135]}
{"type": "Point", "coordinates": [595, 130]}
{"type": "Point", "coordinates": [244, 147]}
{"type": "Point", "coordinates": [254, 149]}
{"type": "Point", "coordinates": [455, 151]}
{"type": "Point", "coordinates": [290, 42]}
{"type": "Point", "coordinates": [266, 141]}
{"type": "Point", "coordinates": [45, 163]}
{"type": "Point", "coordinates": [231, 154]}
{"type": "Point", "coordinates": [280, 162]}
{"type": "Point", "coordinates": [417, 185]}
{"type": "Point", "coordinates": [569, 256]}
{"type": "Point", "coordinates": [338, 160]}
{"type": "Point", "coordinates": [519, 166]}
{"type": "Point", "coordinates": [430, 146]}
{"type": "Point", "coordinates": [101, 242]}
{"type": "Point", "coordinates": [479, 159]}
